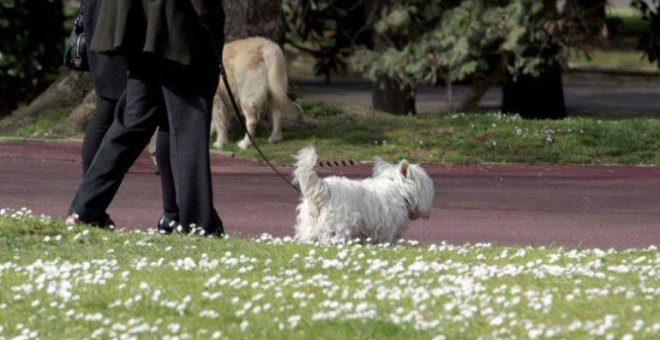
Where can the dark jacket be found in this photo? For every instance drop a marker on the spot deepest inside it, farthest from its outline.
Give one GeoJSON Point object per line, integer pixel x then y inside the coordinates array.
{"type": "Point", "coordinates": [108, 71]}
{"type": "Point", "coordinates": [178, 30]}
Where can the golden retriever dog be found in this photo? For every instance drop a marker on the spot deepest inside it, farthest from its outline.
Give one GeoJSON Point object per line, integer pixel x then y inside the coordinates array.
{"type": "Point", "coordinates": [256, 71]}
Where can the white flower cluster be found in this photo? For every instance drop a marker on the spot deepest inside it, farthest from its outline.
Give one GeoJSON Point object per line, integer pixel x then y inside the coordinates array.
{"type": "Point", "coordinates": [22, 214]}
{"type": "Point", "coordinates": [544, 134]}
{"type": "Point", "coordinates": [439, 290]}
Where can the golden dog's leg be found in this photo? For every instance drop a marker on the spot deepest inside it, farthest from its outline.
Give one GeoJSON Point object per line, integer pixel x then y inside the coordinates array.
{"type": "Point", "coordinates": [219, 122]}
{"type": "Point", "coordinates": [276, 134]}
{"type": "Point", "coordinates": [251, 120]}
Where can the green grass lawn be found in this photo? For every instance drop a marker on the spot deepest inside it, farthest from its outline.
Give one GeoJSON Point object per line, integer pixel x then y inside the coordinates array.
{"type": "Point", "coordinates": [65, 282]}
{"type": "Point", "coordinates": [622, 60]}
{"type": "Point", "coordinates": [42, 128]}
{"type": "Point", "coordinates": [626, 21]}
{"type": "Point", "coordinates": [468, 139]}
{"type": "Point", "coordinates": [626, 26]}
{"type": "Point", "coordinates": [341, 134]}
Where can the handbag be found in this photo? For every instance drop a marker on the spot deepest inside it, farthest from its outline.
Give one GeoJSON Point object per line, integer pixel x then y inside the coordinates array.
{"type": "Point", "coordinates": [75, 55]}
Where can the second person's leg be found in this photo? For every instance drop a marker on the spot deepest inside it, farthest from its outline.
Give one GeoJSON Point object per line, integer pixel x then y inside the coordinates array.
{"type": "Point", "coordinates": [122, 144]}
{"type": "Point", "coordinates": [188, 94]}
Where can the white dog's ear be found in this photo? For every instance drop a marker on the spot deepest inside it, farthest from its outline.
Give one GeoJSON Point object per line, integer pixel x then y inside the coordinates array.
{"type": "Point", "coordinates": [403, 168]}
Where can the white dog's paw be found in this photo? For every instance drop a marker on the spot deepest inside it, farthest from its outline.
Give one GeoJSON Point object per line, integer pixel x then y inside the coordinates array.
{"type": "Point", "coordinates": [244, 144]}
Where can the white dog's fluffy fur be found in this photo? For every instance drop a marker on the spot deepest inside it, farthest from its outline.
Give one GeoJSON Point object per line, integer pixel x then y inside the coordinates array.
{"type": "Point", "coordinates": [377, 209]}
{"type": "Point", "coordinates": [256, 70]}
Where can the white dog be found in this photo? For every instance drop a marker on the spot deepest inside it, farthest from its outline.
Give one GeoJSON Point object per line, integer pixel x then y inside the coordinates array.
{"type": "Point", "coordinates": [256, 71]}
{"type": "Point", "coordinates": [379, 208]}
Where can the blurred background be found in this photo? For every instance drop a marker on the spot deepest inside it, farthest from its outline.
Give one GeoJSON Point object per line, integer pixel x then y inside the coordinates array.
{"type": "Point", "coordinates": [538, 58]}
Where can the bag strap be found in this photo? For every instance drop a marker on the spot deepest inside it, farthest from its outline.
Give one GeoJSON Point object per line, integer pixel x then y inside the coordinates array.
{"type": "Point", "coordinates": [78, 21]}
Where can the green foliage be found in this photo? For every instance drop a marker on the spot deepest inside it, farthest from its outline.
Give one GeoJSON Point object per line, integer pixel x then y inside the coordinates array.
{"type": "Point", "coordinates": [327, 30]}
{"type": "Point", "coordinates": [31, 44]}
{"type": "Point", "coordinates": [455, 42]}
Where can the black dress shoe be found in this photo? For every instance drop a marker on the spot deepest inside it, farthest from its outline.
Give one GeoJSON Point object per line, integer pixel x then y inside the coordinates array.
{"type": "Point", "coordinates": [108, 224]}
{"type": "Point", "coordinates": [103, 223]}
{"type": "Point", "coordinates": [166, 225]}
{"type": "Point", "coordinates": [219, 231]}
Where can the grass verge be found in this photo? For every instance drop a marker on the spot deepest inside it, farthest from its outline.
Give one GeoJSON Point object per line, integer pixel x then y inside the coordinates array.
{"type": "Point", "coordinates": [470, 139]}
{"type": "Point", "coordinates": [41, 128]}
{"type": "Point", "coordinates": [622, 60]}
{"type": "Point", "coordinates": [60, 282]}
{"type": "Point", "coordinates": [626, 21]}
{"type": "Point", "coordinates": [347, 134]}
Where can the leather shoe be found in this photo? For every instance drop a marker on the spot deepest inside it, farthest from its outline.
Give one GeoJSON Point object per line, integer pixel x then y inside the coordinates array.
{"type": "Point", "coordinates": [106, 223]}
{"type": "Point", "coordinates": [219, 231]}
{"type": "Point", "coordinates": [166, 225]}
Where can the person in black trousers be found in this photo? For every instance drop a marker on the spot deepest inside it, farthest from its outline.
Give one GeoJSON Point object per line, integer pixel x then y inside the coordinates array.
{"type": "Point", "coordinates": [109, 76]}
{"type": "Point", "coordinates": [172, 48]}
{"type": "Point", "coordinates": [109, 79]}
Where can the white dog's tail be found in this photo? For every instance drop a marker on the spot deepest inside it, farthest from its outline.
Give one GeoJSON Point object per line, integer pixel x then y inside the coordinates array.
{"type": "Point", "coordinates": [312, 187]}
{"type": "Point", "coordinates": [277, 77]}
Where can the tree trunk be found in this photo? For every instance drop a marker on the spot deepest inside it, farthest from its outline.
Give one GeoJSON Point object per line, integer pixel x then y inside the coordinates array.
{"type": "Point", "coordinates": [391, 98]}
{"type": "Point", "coordinates": [69, 89]}
{"type": "Point", "coordinates": [541, 97]}
{"type": "Point", "coordinates": [247, 18]}
{"type": "Point", "coordinates": [481, 83]}
{"type": "Point", "coordinates": [79, 118]}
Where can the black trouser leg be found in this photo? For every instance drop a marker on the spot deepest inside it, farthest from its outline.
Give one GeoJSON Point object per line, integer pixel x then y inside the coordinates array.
{"type": "Point", "coordinates": [121, 146]}
{"type": "Point", "coordinates": [188, 95]}
{"type": "Point", "coordinates": [170, 209]}
{"type": "Point", "coordinates": [97, 128]}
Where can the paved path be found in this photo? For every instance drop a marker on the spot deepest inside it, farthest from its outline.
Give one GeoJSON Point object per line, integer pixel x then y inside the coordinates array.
{"type": "Point", "coordinates": [631, 100]}
{"type": "Point", "coordinates": [512, 205]}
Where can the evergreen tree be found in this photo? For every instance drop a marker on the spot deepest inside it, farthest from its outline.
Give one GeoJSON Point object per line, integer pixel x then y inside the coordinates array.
{"type": "Point", "coordinates": [478, 40]}
{"type": "Point", "coordinates": [328, 30]}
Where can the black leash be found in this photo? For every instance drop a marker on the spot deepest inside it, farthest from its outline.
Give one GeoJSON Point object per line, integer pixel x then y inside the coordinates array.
{"type": "Point", "coordinates": [237, 110]}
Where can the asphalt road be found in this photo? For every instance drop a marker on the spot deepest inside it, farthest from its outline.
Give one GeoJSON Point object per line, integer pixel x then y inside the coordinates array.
{"type": "Point", "coordinates": [571, 206]}
{"type": "Point", "coordinates": [632, 99]}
